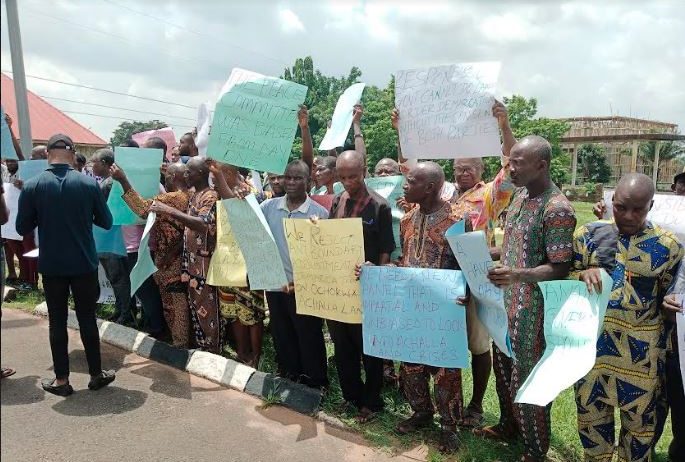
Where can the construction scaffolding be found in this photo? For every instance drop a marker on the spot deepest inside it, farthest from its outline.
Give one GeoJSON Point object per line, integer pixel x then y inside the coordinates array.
{"type": "Point", "coordinates": [621, 138]}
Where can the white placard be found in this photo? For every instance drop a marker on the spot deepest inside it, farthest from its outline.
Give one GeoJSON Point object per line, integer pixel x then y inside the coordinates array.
{"type": "Point", "coordinates": [9, 230]}
{"type": "Point", "coordinates": [446, 111]}
{"type": "Point", "coordinates": [106, 291]}
{"type": "Point", "coordinates": [342, 118]}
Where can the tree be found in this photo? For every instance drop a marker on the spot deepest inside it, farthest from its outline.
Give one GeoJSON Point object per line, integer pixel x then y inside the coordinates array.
{"type": "Point", "coordinates": [593, 162]}
{"type": "Point", "coordinates": [522, 113]}
{"type": "Point", "coordinates": [322, 97]}
{"type": "Point", "coordinates": [126, 129]}
{"type": "Point", "coordinates": [668, 151]}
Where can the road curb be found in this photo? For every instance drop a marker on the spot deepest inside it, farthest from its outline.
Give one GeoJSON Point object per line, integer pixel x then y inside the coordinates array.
{"type": "Point", "coordinates": [216, 368]}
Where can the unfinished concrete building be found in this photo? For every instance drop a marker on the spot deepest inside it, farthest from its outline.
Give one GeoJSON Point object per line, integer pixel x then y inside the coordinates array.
{"type": "Point", "coordinates": [621, 138]}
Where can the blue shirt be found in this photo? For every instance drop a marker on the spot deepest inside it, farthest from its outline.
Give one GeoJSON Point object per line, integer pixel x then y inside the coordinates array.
{"type": "Point", "coordinates": [64, 204]}
{"type": "Point", "coordinates": [275, 210]}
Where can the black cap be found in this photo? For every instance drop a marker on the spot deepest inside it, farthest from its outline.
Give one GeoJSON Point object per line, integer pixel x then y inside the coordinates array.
{"type": "Point", "coordinates": [679, 177]}
{"type": "Point", "coordinates": [60, 141]}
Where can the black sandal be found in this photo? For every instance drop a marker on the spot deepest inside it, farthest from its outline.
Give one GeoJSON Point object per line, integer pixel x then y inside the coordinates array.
{"type": "Point", "coordinates": [59, 390]}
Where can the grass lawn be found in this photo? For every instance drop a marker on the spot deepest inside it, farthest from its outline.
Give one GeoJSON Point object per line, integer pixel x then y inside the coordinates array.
{"type": "Point", "coordinates": [565, 445]}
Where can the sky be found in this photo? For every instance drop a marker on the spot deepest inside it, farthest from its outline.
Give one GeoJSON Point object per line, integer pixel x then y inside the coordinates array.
{"type": "Point", "coordinates": [578, 58]}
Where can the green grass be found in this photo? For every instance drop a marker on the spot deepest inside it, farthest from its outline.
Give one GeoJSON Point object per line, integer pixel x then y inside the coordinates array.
{"type": "Point", "coordinates": [584, 212]}
{"type": "Point", "coordinates": [565, 446]}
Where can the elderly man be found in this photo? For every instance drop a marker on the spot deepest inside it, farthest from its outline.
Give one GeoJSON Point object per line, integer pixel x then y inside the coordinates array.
{"type": "Point", "coordinates": [422, 231]}
{"type": "Point", "coordinates": [538, 246]}
{"type": "Point", "coordinates": [481, 203]}
{"type": "Point", "coordinates": [642, 259]}
{"type": "Point", "coordinates": [199, 243]}
{"type": "Point", "coordinates": [167, 233]}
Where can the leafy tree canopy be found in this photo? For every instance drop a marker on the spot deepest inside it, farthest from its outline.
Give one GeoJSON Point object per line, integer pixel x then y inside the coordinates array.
{"type": "Point", "coordinates": [126, 129]}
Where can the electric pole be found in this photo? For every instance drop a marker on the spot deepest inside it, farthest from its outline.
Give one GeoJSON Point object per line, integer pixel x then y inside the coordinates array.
{"type": "Point", "coordinates": [19, 78]}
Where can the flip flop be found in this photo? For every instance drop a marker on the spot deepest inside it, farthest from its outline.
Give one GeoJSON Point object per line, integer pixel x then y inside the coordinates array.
{"type": "Point", "coordinates": [472, 419]}
{"type": "Point", "coordinates": [495, 433]}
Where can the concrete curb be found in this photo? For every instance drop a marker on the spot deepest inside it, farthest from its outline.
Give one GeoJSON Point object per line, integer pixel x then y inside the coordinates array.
{"type": "Point", "coordinates": [210, 366]}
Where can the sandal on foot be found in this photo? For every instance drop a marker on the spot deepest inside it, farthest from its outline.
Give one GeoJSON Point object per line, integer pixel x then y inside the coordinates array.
{"type": "Point", "coordinates": [495, 432]}
{"type": "Point", "coordinates": [7, 372]}
{"type": "Point", "coordinates": [413, 423]}
{"type": "Point", "coordinates": [449, 440]}
{"type": "Point", "coordinates": [59, 390]}
{"type": "Point", "coordinates": [471, 419]}
{"type": "Point", "coordinates": [366, 415]}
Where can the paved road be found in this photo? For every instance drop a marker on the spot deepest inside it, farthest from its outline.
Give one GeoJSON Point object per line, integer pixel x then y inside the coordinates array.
{"type": "Point", "coordinates": [150, 413]}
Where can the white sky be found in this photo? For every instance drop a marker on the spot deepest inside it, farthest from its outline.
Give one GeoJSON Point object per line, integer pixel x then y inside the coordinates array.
{"type": "Point", "coordinates": [578, 58]}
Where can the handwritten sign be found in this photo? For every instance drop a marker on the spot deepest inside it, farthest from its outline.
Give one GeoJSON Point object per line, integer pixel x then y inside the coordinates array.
{"type": "Point", "coordinates": [9, 230]}
{"type": "Point", "coordinates": [446, 111]}
{"type": "Point", "coordinates": [251, 231]}
{"type": "Point", "coordinates": [342, 118]}
{"type": "Point", "coordinates": [106, 291]}
{"type": "Point", "coordinates": [390, 188]}
{"type": "Point", "coordinates": [255, 121]}
{"type": "Point", "coordinates": [668, 212]}
{"type": "Point", "coordinates": [227, 266]}
{"type": "Point", "coordinates": [166, 134]}
{"type": "Point", "coordinates": [473, 255]}
{"type": "Point", "coordinates": [573, 322]}
{"type": "Point", "coordinates": [7, 150]}
{"type": "Point", "coordinates": [324, 256]}
{"type": "Point", "coordinates": [144, 267]}
{"type": "Point", "coordinates": [31, 168]}
{"type": "Point", "coordinates": [411, 314]}
{"type": "Point", "coordinates": [141, 166]}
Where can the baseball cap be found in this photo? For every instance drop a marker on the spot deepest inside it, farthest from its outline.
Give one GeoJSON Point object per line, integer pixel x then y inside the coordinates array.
{"type": "Point", "coordinates": [60, 141]}
{"type": "Point", "coordinates": [679, 177]}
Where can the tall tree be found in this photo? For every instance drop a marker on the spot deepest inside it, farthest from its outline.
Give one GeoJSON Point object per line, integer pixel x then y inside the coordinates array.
{"type": "Point", "coordinates": [522, 114]}
{"type": "Point", "coordinates": [668, 151]}
{"type": "Point", "coordinates": [126, 129]}
{"type": "Point", "coordinates": [593, 162]}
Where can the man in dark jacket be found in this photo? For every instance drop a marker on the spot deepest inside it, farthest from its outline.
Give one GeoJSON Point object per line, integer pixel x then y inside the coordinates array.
{"type": "Point", "coordinates": [64, 205]}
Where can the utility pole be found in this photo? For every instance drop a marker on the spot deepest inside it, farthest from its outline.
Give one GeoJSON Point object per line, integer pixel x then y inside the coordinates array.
{"type": "Point", "coordinates": [19, 78]}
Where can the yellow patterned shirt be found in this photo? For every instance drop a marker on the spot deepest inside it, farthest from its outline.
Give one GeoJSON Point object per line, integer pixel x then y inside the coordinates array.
{"type": "Point", "coordinates": [643, 267]}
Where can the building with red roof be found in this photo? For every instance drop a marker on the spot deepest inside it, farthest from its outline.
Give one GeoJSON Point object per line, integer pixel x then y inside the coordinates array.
{"type": "Point", "coordinates": [47, 120]}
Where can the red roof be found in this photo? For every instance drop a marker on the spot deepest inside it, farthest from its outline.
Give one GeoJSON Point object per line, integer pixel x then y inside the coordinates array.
{"type": "Point", "coordinates": [46, 119]}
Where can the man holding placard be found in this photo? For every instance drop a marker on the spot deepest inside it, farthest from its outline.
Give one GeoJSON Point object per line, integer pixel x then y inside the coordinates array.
{"type": "Point", "coordinates": [357, 201]}
{"type": "Point", "coordinates": [167, 233]}
{"type": "Point", "coordinates": [199, 243]}
{"type": "Point", "coordinates": [298, 339]}
{"type": "Point", "coordinates": [538, 246]}
{"type": "Point", "coordinates": [642, 259]}
{"type": "Point", "coordinates": [481, 203]}
{"type": "Point", "coordinates": [422, 231]}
